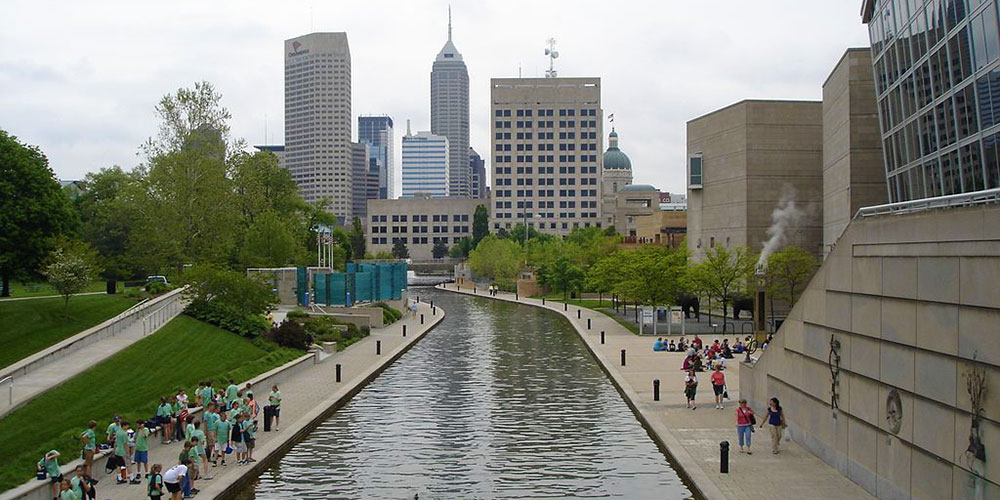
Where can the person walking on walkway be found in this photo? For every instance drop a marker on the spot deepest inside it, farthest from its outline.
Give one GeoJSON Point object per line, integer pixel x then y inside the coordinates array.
{"type": "Point", "coordinates": [274, 399]}
{"type": "Point", "coordinates": [718, 385]}
{"type": "Point", "coordinates": [232, 391]}
{"type": "Point", "coordinates": [222, 430]}
{"type": "Point", "coordinates": [776, 420]}
{"type": "Point", "coordinates": [690, 388]}
{"type": "Point", "coordinates": [89, 439]}
{"type": "Point", "coordinates": [141, 457]}
{"type": "Point", "coordinates": [744, 425]}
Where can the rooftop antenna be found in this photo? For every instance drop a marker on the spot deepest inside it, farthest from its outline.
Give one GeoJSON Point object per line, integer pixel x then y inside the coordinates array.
{"type": "Point", "coordinates": [449, 22]}
{"type": "Point", "coordinates": [408, 128]}
{"type": "Point", "coordinates": [551, 52]}
{"type": "Point", "coordinates": [519, 70]}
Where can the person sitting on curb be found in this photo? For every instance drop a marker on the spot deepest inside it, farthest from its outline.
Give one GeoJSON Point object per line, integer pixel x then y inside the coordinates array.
{"type": "Point", "coordinates": [659, 346]}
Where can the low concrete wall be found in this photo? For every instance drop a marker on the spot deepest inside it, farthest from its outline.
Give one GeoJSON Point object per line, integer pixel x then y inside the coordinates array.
{"type": "Point", "coordinates": [350, 314]}
{"type": "Point", "coordinates": [96, 333]}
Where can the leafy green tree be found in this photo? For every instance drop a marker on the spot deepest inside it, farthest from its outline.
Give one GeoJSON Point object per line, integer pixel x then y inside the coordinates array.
{"type": "Point", "coordinates": [561, 275]}
{"type": "Point", "coordinates": [186, 112]}
{"type": "Point", "coordinates": [260, 185]}
{"type": "Point", "coordinates": [542, 252]}
{"type": "Point", "coordinates": [229, 289]}
{"type": "Point", "coordinates": [383, 255]}
{"type": "Point", "coordinates": [461, 248]}
{"type": "Point", "coordinates": [70, 270]}
{"type": "Point", "coordinates": [357, 237]}
{"type": "Point", "coordinates": [496, 259]}
{"type": "Point", "coordinates": [399, 250]}
{"type": "Point", "coordinates": [439, 250]}
{"type": "Point", "coordinates": [108, 210]}
{"type": "Point", "coordinates": [652, 275]}
{"type": "Point", "coordinates": [723, 274]}
{"type": "Point", "coordinates": [790, 269]}
{"type": "Point", "coordinates": [269, 243]}
{"type": "Point", "coordinates": [480, 225]}
{"type": "Point", "coordinates": [604, 275]}
{"type": "Point", "coordinates": [33, 210]}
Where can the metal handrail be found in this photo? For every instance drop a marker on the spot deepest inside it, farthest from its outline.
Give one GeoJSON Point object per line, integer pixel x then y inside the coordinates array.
{"type": "Point", "coordinates": [984, 197]}
{"type": "Point", "coordinates": [10, 397]}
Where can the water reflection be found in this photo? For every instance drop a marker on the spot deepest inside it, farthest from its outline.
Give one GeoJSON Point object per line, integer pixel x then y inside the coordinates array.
{"type": "Point", "coordinates": [499, 401]}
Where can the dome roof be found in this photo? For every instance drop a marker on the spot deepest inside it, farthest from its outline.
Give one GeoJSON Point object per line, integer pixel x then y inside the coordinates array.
{"type": "Point", "coordinates": [614, 158]}
{"type": "Point", "coordinates": [637, 187]}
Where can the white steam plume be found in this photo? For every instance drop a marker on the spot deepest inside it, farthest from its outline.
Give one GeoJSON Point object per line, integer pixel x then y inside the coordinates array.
{"type": "Point", "coordinates": [784, 218]}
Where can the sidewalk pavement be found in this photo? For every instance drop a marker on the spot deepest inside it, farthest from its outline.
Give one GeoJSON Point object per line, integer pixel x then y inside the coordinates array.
{"type": "Point", "coordinates": [305, 397]}
{"type": "Point", "coordinates": [38, 380]}
{"type": "Point", "coordinates": [693, 436]}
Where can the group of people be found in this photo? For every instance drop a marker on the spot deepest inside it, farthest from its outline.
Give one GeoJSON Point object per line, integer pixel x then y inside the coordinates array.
{"type": "Point", "coordinates": [713, 358]}
{"type": "Point", "coordinates": [227, 426]}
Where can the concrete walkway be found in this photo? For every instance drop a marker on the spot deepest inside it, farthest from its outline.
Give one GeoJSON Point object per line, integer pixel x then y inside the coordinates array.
{"type": "Point", "coordinates": [28, 386]}
{"type": "Point", "coordinates": [307, 398]}
{"type": "Point", "coordinates": [692, 438]}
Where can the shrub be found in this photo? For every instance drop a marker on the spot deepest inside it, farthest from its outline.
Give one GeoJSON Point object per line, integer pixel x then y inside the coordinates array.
{"type": "Point", "coordinates": [157, 287]}
{"type": "Point", "coordinates": [290, 334]}
{"type": "Point", "coordinates": [389, 314]}
{"type": "Point", "coordinates": [227, 317]}
{"type": "Point", "coordinates": [297, 313]}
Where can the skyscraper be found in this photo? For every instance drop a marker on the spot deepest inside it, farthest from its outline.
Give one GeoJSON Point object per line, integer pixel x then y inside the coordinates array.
{"type": "Point", "coordinates": [360, 156]}
{"type": "Point", "coordinates": [425, 165]}
{"type": "Point", "coordinates": [546, 138]}
{"type": "Point", "coordinates": [450, 111]}
{"type": "Point", "coordinates": [477, 175]}
{"type": "Point", "coordinates": [318, 119]}
{"type": "Point", "coordinates": [377, 132]}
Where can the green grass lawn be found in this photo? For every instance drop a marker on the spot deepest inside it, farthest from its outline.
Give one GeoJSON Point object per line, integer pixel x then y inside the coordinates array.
{"type": "Point", "coordinates": [130, 383]}
{"type": "Point", "coordinates": [19, 289]}
{"type": "Point", "coordinates": [28, 326]}
{"type": "Point", "coordinates": [603, 307]}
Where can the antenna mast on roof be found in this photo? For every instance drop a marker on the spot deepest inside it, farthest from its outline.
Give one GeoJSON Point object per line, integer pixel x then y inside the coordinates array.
{"type": "Point", "coordinates": [551, 52]}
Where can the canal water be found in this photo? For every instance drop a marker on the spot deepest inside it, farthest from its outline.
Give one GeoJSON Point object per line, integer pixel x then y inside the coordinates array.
{"type": "Point", "coordinates": [498, 401]}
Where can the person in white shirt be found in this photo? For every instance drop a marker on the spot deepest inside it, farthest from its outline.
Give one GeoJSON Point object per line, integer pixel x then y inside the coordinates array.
{"type": "Point", "coordinates": [173, 478]}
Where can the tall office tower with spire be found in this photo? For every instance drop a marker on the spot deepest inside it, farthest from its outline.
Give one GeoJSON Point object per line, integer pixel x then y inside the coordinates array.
{"type": "Point", "coordinates": [377, 132]}
{"type": "Point", "coordinates": [450, 112]}
{"type": "Point", "coordinates": [318, 119]}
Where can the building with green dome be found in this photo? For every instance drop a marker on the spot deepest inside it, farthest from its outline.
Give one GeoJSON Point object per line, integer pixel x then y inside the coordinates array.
{"type": "Point", "coordinates": [615, 175]}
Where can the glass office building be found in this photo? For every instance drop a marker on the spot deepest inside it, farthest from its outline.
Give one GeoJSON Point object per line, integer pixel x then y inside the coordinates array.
{"type": "Point", "coordinates": [937, 80]}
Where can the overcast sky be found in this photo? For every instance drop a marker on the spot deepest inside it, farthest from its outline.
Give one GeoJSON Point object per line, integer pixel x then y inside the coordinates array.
{"type": "Point", "coordinates": [80, 79]}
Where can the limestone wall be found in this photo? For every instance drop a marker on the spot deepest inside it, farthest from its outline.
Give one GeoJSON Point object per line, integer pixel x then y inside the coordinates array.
{"type": "Point", "coordinates": [913, 302]}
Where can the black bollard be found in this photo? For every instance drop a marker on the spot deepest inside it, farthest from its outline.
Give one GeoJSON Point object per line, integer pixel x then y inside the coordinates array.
{"type": "Point", "coordinates": [565, 306]}
{"type": "Point", "coordinates": [588, 323]}
{"type": "Point", "coordinates": [404, 330]}
{"type": "Point", "coordinates": [338, 373]}
{"type": "Point", "coordinates": [432, 304]}
{"type": "Point", "coordinates": [378, 347]}
{"type": "Point", "coordinates": [473, 289]}
{"type": "Point", "coordinates": [623, 357]}
{"type": "Point", "coordinates": [656, 389]}
{"type": "Point", "coordinates": [517, 296]}
{"type": "Point", "coordinates": [602, 336]}
{"type": "Point", "coordinates": [418, 299]}
{"type": "Point", "coordinates": [543, 301]}
{"type": "Point", "coordinates": [579, 314]}
{"type": "Point", "coordinates": [724, 457]}
{"type": "Point", "coordinates": [421, 318]}
{"type": "Point", "coordinates": [434, 311]}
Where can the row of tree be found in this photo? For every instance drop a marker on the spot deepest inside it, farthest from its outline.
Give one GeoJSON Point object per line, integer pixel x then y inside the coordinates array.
{"type": "Point", "coordinates": [590, 260]}
{"type": "Point", "coordinates": [197, 196]}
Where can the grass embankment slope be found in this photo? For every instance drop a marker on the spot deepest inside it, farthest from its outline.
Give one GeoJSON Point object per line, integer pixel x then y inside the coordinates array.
{"type": "Point", "coordinates": [28, 326]}
{"type": "Point", "coordinates": [602, 306]}
{"type": "Point", "coordinates": [130, 383]}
